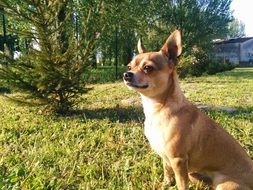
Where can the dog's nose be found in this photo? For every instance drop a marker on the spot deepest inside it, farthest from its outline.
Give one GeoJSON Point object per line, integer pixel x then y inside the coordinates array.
{"type": "Point", "coordinates": [128, 76]}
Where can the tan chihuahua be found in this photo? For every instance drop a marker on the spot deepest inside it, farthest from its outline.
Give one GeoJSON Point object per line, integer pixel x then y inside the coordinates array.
{"type": "Point", "coordinates": [191, 144]}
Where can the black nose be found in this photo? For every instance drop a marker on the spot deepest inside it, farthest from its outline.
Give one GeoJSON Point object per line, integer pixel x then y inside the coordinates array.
{"type": "Point", "coordinates": [128, 76]}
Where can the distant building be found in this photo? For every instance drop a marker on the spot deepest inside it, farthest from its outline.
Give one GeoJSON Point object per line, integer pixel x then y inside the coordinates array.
{"type": "Point", "coordinates": [237, 51]}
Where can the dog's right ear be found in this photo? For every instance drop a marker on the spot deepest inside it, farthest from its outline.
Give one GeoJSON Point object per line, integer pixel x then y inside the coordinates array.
{"type": "Point", "coordinates": [140, 46]}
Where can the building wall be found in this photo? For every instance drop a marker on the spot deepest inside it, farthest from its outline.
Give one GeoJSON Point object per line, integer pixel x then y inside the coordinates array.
{"type": "Point", "coordinates": [228, 52]}
{"type": "Point", "coordinates": [236, 53]}
{"type": "Point", "coordinates": [247, 51]}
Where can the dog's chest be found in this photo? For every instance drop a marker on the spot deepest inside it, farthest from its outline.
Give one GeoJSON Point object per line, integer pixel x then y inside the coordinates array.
{"type": "Point", "coordinates": [155, 135]}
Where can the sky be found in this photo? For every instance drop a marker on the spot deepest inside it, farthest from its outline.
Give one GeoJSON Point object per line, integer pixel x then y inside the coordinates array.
{"type": "Point", "coordinates": [244, 12]}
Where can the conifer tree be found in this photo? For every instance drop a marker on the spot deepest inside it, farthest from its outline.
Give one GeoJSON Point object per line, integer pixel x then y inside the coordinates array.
{"type": "Point", "coordinates": [62, 35]}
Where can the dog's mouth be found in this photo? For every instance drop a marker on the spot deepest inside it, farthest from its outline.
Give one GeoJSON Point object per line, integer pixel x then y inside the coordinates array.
{"type": "Point", "coordinates": [137, 86]}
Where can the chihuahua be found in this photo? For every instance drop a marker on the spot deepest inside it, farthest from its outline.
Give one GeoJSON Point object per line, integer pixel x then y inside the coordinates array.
{"type": "Point", "coordinates": [192, 146]}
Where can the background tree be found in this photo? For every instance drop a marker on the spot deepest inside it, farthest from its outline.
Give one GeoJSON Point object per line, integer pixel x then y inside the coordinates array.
{"type": "Point", "coordinates": [122, 21]}
{"type": "Point", "coordinates": [200, 21]}
{"type": "Point", "coordinates": [236, 29]}
{"type": "Point", "coordinates": [53, 67]}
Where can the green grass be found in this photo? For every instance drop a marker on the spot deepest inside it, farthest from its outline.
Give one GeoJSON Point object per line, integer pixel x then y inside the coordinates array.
{"type": "Point", "coordinates": [101, 145]}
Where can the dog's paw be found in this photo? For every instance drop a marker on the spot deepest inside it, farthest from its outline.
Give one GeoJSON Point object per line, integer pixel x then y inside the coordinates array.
{"type": "Point", "coordinates": [169, 180]}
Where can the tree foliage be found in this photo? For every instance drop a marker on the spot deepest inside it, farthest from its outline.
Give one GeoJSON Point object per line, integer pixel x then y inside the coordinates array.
{"type": "Point", "coordinates": [200, 22]}
{"type": "Point", "coordinates": [236, 29]}
{"type": "Point", "coordinates": [58, 55]}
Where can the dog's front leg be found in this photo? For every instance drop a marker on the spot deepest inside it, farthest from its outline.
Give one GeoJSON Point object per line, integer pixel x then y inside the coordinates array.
{"type": "Point", "coordinates": [169, 177]}
{"type": "Point", "coordinates": [180, 168]}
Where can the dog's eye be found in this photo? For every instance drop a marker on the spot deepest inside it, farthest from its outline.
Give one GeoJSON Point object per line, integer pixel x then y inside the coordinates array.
{"type": "Point", "coordinates": [148, 69]}
{"type": "Point", "coordinates": [129, 68]}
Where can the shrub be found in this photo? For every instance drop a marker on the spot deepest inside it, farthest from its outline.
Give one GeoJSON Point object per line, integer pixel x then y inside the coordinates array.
{"type": "Point", "coordinates": [199, 63]}
{"type": "Point", "coordinates": [184, 67]}
{"type": "Point", "coordinates": [218, 66]}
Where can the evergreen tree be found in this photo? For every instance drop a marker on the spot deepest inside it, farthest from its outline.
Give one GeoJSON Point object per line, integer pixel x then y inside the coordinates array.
{"type": "Point", "coordinates": [62, 36]}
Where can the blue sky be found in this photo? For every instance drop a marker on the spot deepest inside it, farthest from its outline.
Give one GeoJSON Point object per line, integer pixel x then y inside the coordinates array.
{"type": "Point", "coordinates": [244, 12]}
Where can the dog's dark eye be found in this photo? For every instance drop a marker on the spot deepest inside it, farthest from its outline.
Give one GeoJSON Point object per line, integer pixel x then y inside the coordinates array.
{"type": "Point", "coordinates": [148, 69]}
{"type": "Point", "coordinates": [129, 68]}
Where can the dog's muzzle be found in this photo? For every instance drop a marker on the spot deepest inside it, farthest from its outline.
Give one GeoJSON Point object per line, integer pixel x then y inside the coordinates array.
{"type": "Point", "coordinates": [129, 80]}
{"type": "Point", "coordinates": [128, 76]}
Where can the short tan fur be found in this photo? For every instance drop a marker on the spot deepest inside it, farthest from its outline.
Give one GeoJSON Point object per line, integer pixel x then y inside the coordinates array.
{"type": "Point", "coordinates": [192, 146]}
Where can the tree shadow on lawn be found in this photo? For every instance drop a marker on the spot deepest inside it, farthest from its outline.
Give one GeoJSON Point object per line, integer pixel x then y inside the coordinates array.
{"type": "Point", "coordinates": [135, 113]}
{"type": "Point", "coordinates": [237, 112]}
{"type": "Point", "coordinates": [4, 90]}
{"type": "Point", "coordinates": [116, 114]}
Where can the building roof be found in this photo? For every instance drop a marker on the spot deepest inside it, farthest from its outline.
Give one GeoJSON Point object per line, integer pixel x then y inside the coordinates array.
{"type": "Point", "coordinates": [233, 40]}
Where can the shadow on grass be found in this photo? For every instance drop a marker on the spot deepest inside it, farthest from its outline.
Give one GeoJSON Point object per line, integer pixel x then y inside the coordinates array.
{"type": "Point", "coordinates": [116, 114]}
{"type": "Point", "coordinates": [239, 112]}
{"type": "Point", "coordinates": [4, 90]}
{"type": "Point", "coordinates": [135, 114]}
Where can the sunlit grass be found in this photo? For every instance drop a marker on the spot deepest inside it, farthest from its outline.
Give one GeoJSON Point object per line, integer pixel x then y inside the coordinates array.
{"type": "Point", "coordinates": [101, 144]}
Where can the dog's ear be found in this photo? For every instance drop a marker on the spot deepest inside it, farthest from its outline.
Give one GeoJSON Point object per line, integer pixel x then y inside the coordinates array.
{"type": "Point", "coordinates": [173, 45]}
{"type": "Point", "coordinates": [140, 46]}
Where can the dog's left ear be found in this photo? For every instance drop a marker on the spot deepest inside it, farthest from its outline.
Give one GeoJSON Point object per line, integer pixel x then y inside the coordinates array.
{"type": "Point", "coordinates": [173, 45]}
{"type": "Point", "coordinates": [140, 46]}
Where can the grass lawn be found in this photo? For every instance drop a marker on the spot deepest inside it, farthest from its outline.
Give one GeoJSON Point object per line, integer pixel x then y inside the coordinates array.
{"type": "Point", "coordinates": [102, 145]}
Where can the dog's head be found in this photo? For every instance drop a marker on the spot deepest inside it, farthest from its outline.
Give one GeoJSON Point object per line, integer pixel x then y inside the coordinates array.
{"type": "Point", "coordinates": [150, 73]}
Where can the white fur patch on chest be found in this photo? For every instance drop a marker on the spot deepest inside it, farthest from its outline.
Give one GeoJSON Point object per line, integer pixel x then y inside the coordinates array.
{"type": "Point", "coordinates": [155, 136]}
{"type": "Point", "coordinates": [153, 126]}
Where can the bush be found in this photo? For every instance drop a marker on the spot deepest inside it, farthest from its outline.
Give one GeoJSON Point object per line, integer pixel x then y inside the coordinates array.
{"type": "Point", "coordinates": [218, 66]}
{"type": "Point", "coordinates": [188, 66]}
{"type": "Point", "coordinates": [199, 63]}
